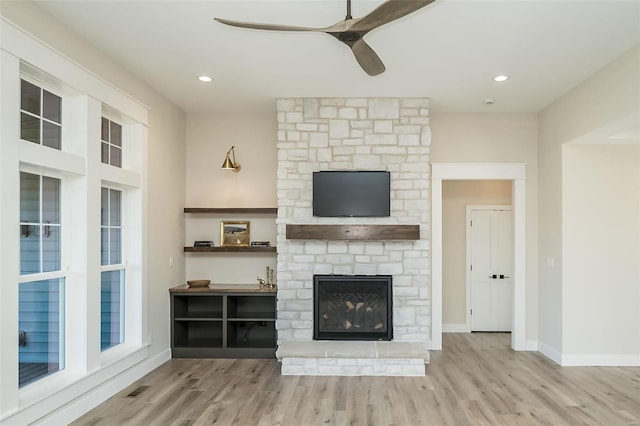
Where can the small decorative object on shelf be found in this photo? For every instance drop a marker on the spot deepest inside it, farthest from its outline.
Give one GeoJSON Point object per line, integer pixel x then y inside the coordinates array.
{"type": "Point", "coordinates": [234, 234]}
{"type": "Point", "coordinates": [203, 243]}
{"type": "Point", "coordinates": [198, 283]}
{"type": "Point", "coordinates": [260, 244]}
{"type": "Point", "coordinates": [268, 283]}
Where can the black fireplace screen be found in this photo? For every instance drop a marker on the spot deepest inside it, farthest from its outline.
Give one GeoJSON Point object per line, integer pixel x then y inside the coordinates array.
{"type": "Point", "coordinates": [352, 307]}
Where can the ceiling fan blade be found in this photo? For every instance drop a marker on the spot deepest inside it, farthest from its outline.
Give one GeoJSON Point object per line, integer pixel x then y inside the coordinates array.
{"type": "Point", "coordinates": [367, 58]}
{"type": "Point", "coordinates": [258, 26]}
{"type": "Point", "coordinates": [387, 12]}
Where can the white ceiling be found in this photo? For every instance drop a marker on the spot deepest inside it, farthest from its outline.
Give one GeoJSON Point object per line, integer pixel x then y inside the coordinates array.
{"type": "Point", "coordinates": [448, 51]}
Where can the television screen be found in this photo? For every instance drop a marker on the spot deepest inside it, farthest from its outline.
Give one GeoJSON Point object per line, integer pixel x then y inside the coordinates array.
{"type": "Point", "coordinates": [351, 194]}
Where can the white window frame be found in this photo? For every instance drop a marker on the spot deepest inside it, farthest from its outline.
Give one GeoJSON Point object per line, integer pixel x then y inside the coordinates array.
{"type": "Point", "coordinates": [83, 96]}
{"type": "Point", "coordinates": [110, 144]}
{"type": "Point", "coordinates": [122, 266]}
{"type": "Point", "coordinates": [62, 274]}
{"type": "Point", "coordinates": [43, 86]}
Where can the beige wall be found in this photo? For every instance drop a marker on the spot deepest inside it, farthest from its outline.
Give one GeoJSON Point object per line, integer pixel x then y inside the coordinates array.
{"type": "Point", "coordinates": [607, 101]}
{"type": "Point", "coordinates": [209, 137]}
{"type": "Point", "coordinates": [456, 138]}
{"type": "Point", "coordinates": [601, 251]}
{"type": "Point", "coordinates": [497, 138]}
{"type": "Point", "coordinates": [165, 160]}
{"type": "Point", "coordinates": [456, 195]}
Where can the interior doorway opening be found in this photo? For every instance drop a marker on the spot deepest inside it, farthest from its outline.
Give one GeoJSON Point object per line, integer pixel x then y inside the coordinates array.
{"type": "Point", "coordinates": [457, 197]}
{"type": "Point", "coordinates": [515, 173]}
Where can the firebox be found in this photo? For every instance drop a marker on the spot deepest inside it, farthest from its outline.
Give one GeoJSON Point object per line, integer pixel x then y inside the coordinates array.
{"type": "Point", "coordinates": [352, 307]}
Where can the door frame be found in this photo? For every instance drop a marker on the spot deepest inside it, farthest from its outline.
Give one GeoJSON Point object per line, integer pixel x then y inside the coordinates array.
{"type": "Point", "coordinates": [470, 208]}
{"type": "Point", "coordinates": [515, 172]}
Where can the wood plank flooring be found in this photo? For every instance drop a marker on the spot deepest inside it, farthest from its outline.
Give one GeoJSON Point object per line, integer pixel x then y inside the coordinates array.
{"type": "Point", "coordinates": [476, 380]}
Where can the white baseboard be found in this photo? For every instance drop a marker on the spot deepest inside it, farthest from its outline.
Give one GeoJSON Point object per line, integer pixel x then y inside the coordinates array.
{"type": "Point", "coordinates": [531, 345]}
{"type": "Point", "coordinates": [551, 353]}
{"type": "Point", "coordinates": [589, 360]}
{"type": "Point", "coordinates": [455, 328]}
{"type": "Point", "coordinates": [103, 391]}
{"type": "Point", "coordinates": [600, 360]}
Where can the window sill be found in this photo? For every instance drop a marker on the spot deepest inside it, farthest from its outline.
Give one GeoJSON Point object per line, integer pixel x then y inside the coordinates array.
{"type": "Point", "coordinates": [69, 384]}
{"type": "Point", "coordinates": [119, 352]}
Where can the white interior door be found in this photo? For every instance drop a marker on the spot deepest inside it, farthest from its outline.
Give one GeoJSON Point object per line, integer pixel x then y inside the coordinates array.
{"type": "Point", "coordinates": [491, 270]}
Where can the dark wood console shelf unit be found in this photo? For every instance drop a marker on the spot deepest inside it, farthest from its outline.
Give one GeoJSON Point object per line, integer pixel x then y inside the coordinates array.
{"type": "Point", "coordinates": [232, 322]}
{"type": "Point", "coordinates": [353, 232]}
{"type": "Point", "coordinates": [223, 210]}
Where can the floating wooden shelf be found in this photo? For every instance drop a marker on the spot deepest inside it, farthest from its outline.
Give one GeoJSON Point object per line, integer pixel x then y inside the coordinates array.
{"type": "Point", "coordinates": [353, 232]}
{"type": "Point", "coordinates": [229, 249]}
{"type": "Point", "coordinates": [223, 210]}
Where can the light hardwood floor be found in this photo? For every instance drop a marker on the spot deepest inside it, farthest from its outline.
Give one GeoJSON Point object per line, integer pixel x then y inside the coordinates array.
{"type": "Point", "coordinates": [476, 380]}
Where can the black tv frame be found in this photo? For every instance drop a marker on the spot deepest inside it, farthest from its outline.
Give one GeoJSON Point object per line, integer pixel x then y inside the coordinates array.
{"type": "Point", "coordinates": [352, 193]}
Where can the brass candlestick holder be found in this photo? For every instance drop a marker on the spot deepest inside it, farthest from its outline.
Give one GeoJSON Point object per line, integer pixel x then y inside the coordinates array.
{"type": "Point", "coordinates": [269, 282]}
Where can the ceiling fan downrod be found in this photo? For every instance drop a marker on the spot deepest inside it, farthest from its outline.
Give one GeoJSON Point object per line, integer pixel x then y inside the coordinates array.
{"type": "Point", "coordinates": [348, 11]}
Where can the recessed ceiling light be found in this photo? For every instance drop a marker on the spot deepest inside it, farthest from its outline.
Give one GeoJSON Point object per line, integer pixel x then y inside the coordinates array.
{"type": "Point", "coordinates": [205, 78]}
{"type": "Point", "coordinates": [489, 101]}
{"type": "Point", "coordinates": [500, 78]}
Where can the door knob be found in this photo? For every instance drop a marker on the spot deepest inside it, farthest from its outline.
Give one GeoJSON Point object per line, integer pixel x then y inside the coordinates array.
{"type": "Point", "coordinates": [502, 277]}
{"type": "Point", "coordinates": [494, 276]}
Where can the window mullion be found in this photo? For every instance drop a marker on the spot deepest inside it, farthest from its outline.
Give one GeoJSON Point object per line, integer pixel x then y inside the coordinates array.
{"type": "Point", "coordinates": [41, 276]}
{"type": "Point", "coordinates": [40, 221]}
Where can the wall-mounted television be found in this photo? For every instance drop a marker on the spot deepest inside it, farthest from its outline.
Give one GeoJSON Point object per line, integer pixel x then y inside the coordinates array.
{"type": "Point", "coordinates": [351, 194]}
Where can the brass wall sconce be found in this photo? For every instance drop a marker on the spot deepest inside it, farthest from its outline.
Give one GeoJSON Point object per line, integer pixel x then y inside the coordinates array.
{"type": "Point", "coordinates": [230, 164]}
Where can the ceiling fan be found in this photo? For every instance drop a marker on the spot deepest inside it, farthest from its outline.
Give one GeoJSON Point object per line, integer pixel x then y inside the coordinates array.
{"type": "Point", "coordinates": [351, 31]}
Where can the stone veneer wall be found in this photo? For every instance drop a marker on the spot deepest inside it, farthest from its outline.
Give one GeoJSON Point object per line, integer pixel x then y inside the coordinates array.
{"type": "Point", "coordinates": [389, 134]}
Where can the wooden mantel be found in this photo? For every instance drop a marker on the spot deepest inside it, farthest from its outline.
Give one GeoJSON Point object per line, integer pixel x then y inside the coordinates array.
{"type": "Point", "coordinates": [353, 232]}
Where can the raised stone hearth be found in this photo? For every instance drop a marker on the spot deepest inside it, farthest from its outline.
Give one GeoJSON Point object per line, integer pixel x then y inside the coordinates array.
{"type": "Point", "coordinates": [331, 358]}
{"type": "Point", "coordinates": [388, 134]}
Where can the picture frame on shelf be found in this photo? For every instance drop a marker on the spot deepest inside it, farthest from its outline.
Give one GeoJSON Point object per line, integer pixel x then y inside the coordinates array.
{"type": "Point", "coordinates": [235, 233]}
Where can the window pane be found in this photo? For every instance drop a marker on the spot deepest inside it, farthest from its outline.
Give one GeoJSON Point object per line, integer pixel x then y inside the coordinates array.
{"type": "Point", "coordinates": [29, 197]}
{"type": "Point", "coordinates": [51, 135]}
{"type": "Point", "coordinates": [51, 106]}
{"type": "Point", "coordinates": [116, 134]}
{"type": "Point", "coordinates": [29, 249]}
{"type": "Point", "coordinates": [105, 153]}
{"type": "Point", "coordinates": [111, 309]}
{"type": "Point", "coordinates": [29, 97]}
{"type": "Point", "coordinates": [116, 156]}
{"type": "Point", "coordinates": [40, 313]}
{"type": "Point", "coordinates": [104, 207]}
{"type": "Point", "coordinates": [115, 246]}
{"type": "Point", "coordinates": [115, 207]}
{"type": "Point", "coordinates": [29, 213]}
{"type": "Point", "coordinates": [50, 200]}
{"type": "Point", "coordinates": [104, 134]}
{"type": "Point", "coordinates": [50, 248]}
{"type": "Point", "coordinates": [104, 246]}
{"type": "Point", "coordinates": [29, 128]}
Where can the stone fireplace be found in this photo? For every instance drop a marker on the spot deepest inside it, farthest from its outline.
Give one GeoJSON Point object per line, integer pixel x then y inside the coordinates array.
{"type": "Point", "coordinates": [352, 307]}
{"type": "Point", "coordinates": [390, 134]}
